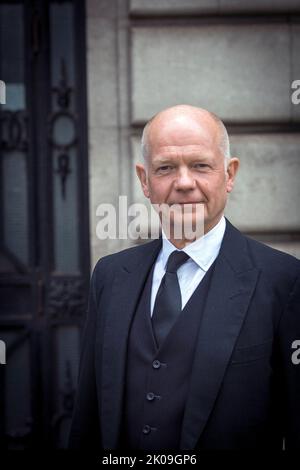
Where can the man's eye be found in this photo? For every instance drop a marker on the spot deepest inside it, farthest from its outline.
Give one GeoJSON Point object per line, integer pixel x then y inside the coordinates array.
{"type": "Point", "coordinates": [165, 168]}
{"type": "Point", "coordinates": [200, 165]}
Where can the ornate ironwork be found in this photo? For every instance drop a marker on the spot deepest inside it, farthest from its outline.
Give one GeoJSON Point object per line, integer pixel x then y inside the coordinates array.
{"type": "Point", "coordinates": [63, 93]}
{"type": "Point", "coordinates": [63, 170]}
{"type": "Point", "coordinates": [66, 299]}
{"type": "Point", "coordinates": [14, 130]}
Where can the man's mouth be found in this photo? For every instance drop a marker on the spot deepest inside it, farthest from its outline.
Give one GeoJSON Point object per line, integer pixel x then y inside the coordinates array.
{"type": "Point", "coordinates": [182, 203]}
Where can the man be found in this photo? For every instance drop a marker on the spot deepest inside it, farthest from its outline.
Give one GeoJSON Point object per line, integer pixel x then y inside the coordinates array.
{"type": "Point", "coordinates": [186, 348]}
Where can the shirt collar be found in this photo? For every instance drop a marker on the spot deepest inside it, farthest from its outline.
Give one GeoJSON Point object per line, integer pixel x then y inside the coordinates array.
{"type": "Point", "coordinates": [203, 251]}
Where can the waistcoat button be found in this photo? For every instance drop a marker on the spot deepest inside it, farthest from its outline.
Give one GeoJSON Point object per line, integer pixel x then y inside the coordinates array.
{"type": "Point", "coordinates": [156, 364]}
{"type": "Point", "coordinates": [150, 396]}
{"type": "Point", "coordinates": [146, 429]}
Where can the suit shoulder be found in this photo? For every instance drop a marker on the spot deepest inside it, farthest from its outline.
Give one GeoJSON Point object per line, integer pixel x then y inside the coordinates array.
{"type": "Point", "coordinates": [271, 259]}
{"type": "Point", "coordinates": [113, 260]}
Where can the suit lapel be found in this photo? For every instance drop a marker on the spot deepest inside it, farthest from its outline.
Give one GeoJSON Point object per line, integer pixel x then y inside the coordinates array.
{"type": "Point", "coordinates": [233, 283]}
{"type": "Point", "coordinates": [126, 290]}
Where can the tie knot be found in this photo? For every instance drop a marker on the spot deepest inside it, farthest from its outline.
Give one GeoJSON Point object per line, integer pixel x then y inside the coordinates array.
{"type": "Point", "coordinates": [176, 259]}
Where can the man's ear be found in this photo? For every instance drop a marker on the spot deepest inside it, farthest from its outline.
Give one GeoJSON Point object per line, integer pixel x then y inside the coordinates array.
{"type": "Point", "coordinates": [142, 175]}
{"type": "Point", "coordinates": [231, 171]}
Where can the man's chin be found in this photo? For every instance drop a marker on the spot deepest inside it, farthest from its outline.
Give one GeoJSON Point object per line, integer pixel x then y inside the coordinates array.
{"type": "Point", "coordinates": [186, 227]}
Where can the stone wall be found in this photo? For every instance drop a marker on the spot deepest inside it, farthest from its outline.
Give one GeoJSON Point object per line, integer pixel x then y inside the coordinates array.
{"type": "Point", "coordinates": [237, 58]}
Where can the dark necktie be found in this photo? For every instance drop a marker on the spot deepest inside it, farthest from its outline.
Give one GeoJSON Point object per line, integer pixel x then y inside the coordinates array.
{"type": "Point", "coordinates": [167, 305]}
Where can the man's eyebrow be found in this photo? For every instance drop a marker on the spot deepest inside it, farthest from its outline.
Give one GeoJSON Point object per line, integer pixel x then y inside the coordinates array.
{"type": "Point", "coordinates": [159, 160]}
{"type": "Point", "coordinates": [172, 159]}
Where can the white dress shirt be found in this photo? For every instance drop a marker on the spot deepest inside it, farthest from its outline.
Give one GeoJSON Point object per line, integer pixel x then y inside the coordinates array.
{"type": "Point", "coordinates": [202, 253]}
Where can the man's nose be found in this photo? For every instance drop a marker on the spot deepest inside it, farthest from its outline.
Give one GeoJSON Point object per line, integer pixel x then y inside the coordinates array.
{"type": "Point", "coordinates": [184, 181]}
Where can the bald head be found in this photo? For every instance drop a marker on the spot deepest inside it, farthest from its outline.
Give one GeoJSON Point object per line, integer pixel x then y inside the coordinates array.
{"type": "Point", "coordinates": [186, 115]}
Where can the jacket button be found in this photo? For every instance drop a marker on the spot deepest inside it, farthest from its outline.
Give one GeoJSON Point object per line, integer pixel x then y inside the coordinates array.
{"type": "Point", "coordinates": [156, 364]}
{"type": "Point", "coordinates": [150, 396]}
{"type": "Point", "coordinates": [146, 429]}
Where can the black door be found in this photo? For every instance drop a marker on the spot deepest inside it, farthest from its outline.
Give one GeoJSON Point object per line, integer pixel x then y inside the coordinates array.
{"type": "Point", "coordinates": [44, 238]}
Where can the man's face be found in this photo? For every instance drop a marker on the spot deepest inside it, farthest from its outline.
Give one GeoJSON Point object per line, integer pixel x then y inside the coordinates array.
{"type": "Point", "coordinates": [186, 166]}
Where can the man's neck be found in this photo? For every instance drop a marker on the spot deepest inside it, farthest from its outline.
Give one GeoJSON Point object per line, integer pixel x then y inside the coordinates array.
{"type": "Point", "coordinates": [181, 243]}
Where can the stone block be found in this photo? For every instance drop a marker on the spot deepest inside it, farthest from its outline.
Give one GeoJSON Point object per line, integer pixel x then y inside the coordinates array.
{"type": "Point", "coordinates": [241, 72]}
{"type": "Point", "coordinates": [173, 7]}
{"type": "Point", "coordinates": [202, 7]}
{"type": "Point", "coordinates": [103, 184]}
{"type": "Point", "coordinates": [102, 73]}
{"type": "Point", "coordinates": [267, 191]}
{"type": "Point", "coordinates": [258, 6]}
{"type": "Point", "coordinates": [295, 73]}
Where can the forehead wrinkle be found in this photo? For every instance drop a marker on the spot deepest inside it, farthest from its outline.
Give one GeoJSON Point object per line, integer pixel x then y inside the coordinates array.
{"type": "Point", "coordinates": [173, 134]}
{"type": "Point", "coordinates": [193, 151]}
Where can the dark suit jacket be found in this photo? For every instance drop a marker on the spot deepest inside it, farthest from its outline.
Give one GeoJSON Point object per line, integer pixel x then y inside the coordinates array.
{"type": "Point", "coordinates": [244, 388]}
